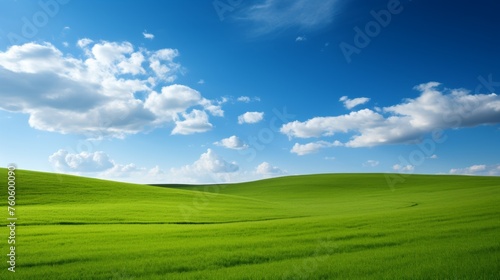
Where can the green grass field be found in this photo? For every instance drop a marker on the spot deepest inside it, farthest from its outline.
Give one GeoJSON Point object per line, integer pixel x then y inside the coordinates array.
{"type": "Point", "coordinates": [336, 226]}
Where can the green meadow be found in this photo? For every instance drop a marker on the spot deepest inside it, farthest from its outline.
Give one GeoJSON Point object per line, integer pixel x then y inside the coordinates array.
{"type": "Point", "coordinates": [329, 226]}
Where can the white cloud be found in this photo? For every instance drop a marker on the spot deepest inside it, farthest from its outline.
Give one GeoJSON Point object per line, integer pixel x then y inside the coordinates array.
{"type": "Point", "coordinates": [201, 82]}
{"type": "Point", "coordinates": [275, 15]}
{"type": "Point", "coordinates": [148, 35]}
{"type": "Point", "coordinates": [406, 122]}
{"type": "Point", "coordinates": [266, 169]}
{"type": "Point", "coordinates": [326, 126]}
{"type": "Point", "coordinates": [403, 168]}
{"type": "Point", "coordinates": [194, 122]}
{"type": "Point", "coordinates": [314, 147]}
{"type": "Point", "coordinates": [156, 171]}
{"type": "Point", "coordinates": [209, 168]}
{"type": "Point", "coordinates": [351, 103]}
{"type": "Point", "coordinates": [133, 64]}
{"type": "Point", "coordinates": [125, 171]}
{"type": "Point", "coordinates": [232, 142]}
{"type": "Point", "coordinates": [97, 163]}
{"type": "Point", "coordinates": [371, 163]}
{"type": "Point", "coordinates": [82, 43]}
{"type": "Point", "coordinates": [479, 169]}
{"type": "Point", "coordinates": [211, 162]}
{"type": "Point", "coordinates": [172, 100]}
{"type": "Point", "coordinates": [251, 117]}
{"type": "Point", "coordinates": [300, 39]}
{"type": "Point", "coordinates": [97, 95]}
{"type": "Point", "coordinates": [213, 107]}
{"type": "Point", "coordinates": [162, 63]}
{"type": "Point", "coordinates": [107, 53]}
{"type": "Point", "coordinates": [246, 99]}
{"type": "Point", "coordinates": [434, 157]}
{"type": "Point", "coordinates": [62, 160]}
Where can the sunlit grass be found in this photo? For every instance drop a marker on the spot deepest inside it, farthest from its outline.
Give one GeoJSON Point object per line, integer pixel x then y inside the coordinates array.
{"type": "Point", "coordinates": [342, 226]}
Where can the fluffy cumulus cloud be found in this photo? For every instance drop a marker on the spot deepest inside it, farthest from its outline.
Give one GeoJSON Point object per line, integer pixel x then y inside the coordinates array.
{"type": "Point", "coordinates": [62, 160]}
{"type": "Point", "coordinates": [194, 122]}
{"type": "Point", "coordinates": [478, 169]}
{"type": "Point", "coordinates": [274, 15]}
{"type": "Point", "coordinates": [310, 148]}
{"type": "Point", "coordinates": [100, 165]}
{"type": "Point", "coordinates": [251, 117]}
{"type": "Point", "coordinates": [209, 168]}
{"type": "Point", "coordinates": [268, 170]}
{"type": "Point", "coordinates": [211, 162]}
{"type": "Point", "coordinates": [232, 142]}
{"type": "Point", "coordinates": [112, 89]}
{"type": "Point", "coordinates": [172, 100]}
{"type": "Point", "coordinates": [351, 103]}
{"type": "Point", "coordinates": [407, 122]}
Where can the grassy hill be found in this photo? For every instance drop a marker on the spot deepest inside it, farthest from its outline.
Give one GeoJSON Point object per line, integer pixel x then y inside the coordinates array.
{"type": "Point", "coordinates": [329, 226]}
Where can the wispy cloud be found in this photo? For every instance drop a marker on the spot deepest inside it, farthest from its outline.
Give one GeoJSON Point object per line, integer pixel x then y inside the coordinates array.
{"type": "Point", "coordinates": [313, 147]}
{"type": "Point", "coordinates": [148, 35]}
{"type": "Point", "coordinates": [247, 99]}
{"type": "Point", "coordinates": [478, 169]}
{"type": "Point", "coordinates": [275, 15]}
{"type": "Point", "coordinates": [351, 103]}
{"type": "Point", "coordinates": [371, 163]}
{"type": "Point", "coordinates": [403, 168]}
{"type": "Point", "coordinates": [82, 43]}
{"type": "Point", "coordinates": [300, 39]}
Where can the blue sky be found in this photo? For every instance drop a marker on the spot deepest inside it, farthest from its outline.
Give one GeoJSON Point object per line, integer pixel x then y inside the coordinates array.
{"type": "Point", "coordinates": [229, 91]}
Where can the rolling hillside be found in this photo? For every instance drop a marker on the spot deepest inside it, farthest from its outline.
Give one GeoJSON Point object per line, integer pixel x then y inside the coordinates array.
{"type": "Point", "coordinates": [328, 226]}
